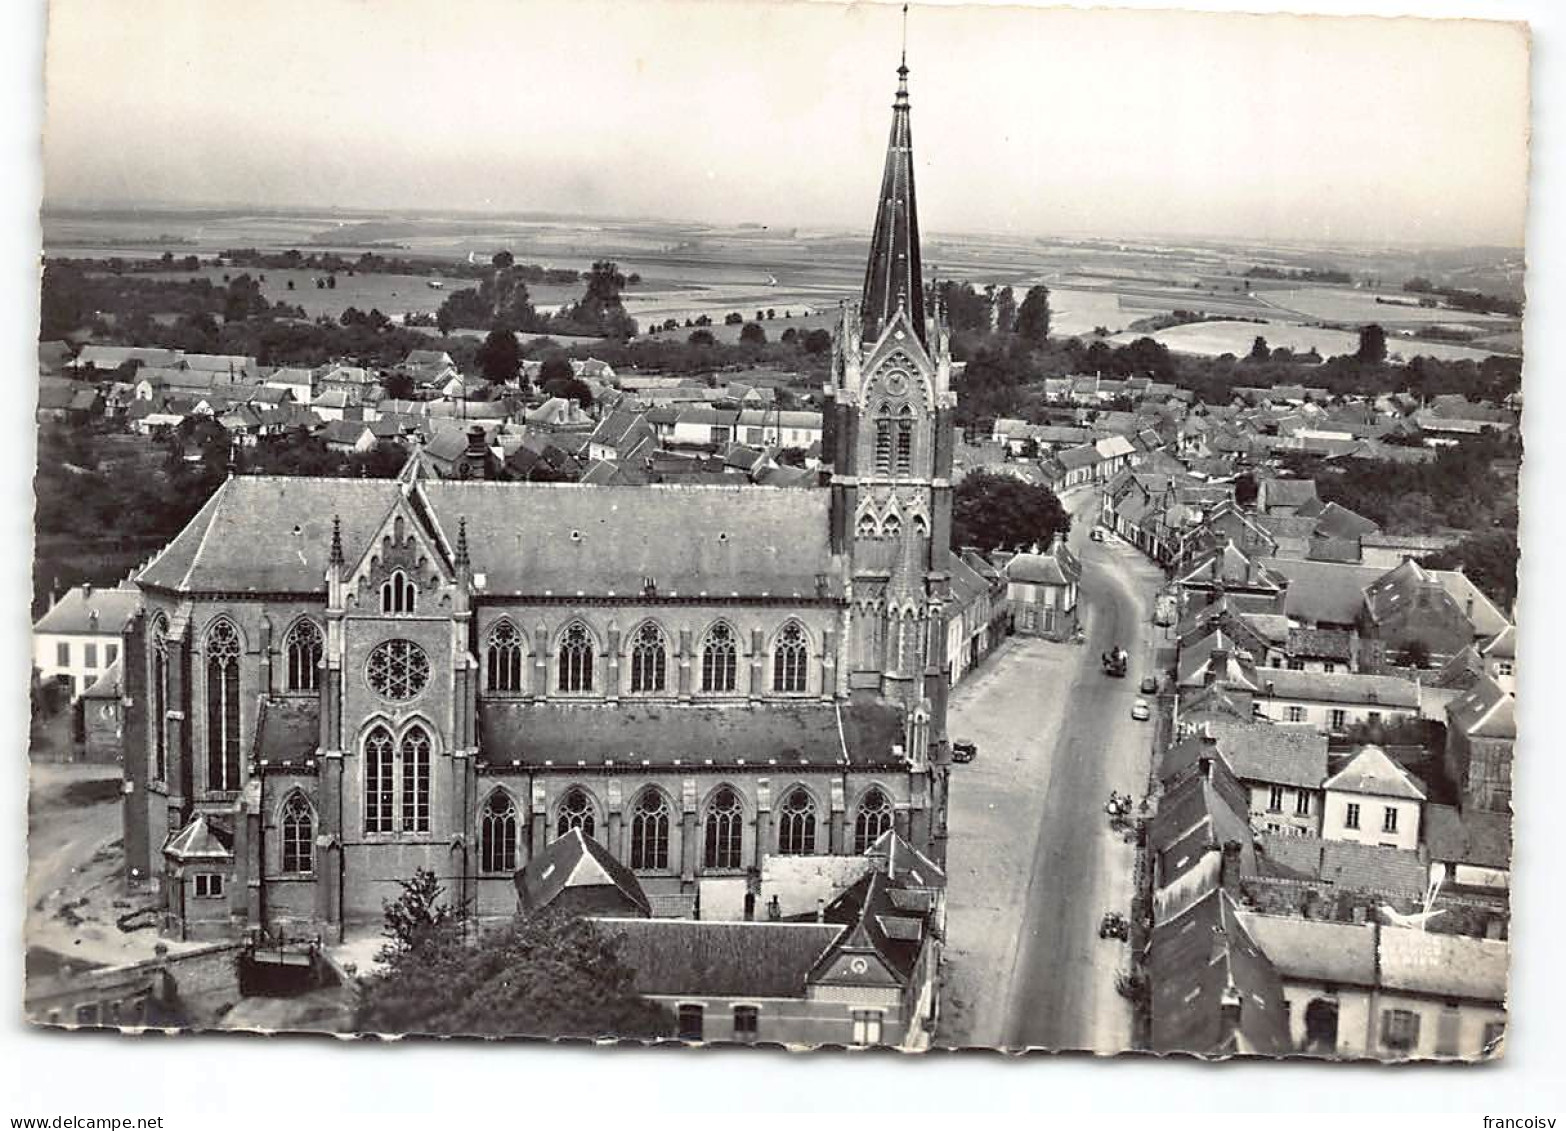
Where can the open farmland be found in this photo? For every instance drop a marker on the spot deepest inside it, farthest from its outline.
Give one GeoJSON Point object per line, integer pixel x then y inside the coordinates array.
{"type": "Point", "coordinates": [1211, 339]}
{"type": "Point", "coordinates": [1344, 304]}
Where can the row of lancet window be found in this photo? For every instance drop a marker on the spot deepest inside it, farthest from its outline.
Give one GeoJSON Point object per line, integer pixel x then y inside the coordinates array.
{"type": "Point", "coordinates": [890, 526]}
{"type": "Point", "coordinates": [894, 441]}
{"type": "Point", "coordinates": [500, 822]}
{"type": "Point", "coordinates": [576, 653]}
{"type": "Point", "coordinates": [722, 832]}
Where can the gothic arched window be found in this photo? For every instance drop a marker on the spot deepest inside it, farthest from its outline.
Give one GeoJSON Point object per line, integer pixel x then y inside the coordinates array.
{"type": "Point", "coordinates": [883, 440]}
{"type": "Point", "coordinates": [873, 819]}
{"type": "Point", "coordinates": [575, 659]}
{"type": "Point", "coordinates": [650, 831]}
{"type": "Point", "coordinates": [797, 824]}
{"type": "Point", "coordinates": [498, 834]}
{"type": "Point", "coordinates": [159, 673]}
{"type": "Point", "coordinates": [892, 526]}
{"type": "Point", "coordinates": [380, 781]}
{"type": "Point", "coordinates": [725, 830]}
{"type": "Point", "coordinates": [576, 812]}
{"type": "Point", "coordinates": [649, 659]}
{"type": "Point", "coordinates": [223, 756]}
{"type": "Point", "coordinates": [865, 527]}
{"type": "Point", "coordinates": [398, 594]}
{"type": "Point", "coordinates": [503, 658]}
{"type": "Point", "coordinates": [719, 659]}
{"type": "Point", "coordinates": [790, 659]}
{"type": "Point", "coordinates": [414, 752]}
{"type": "Point", "coordinates": [920, 526]}
{"type": "Point", "coordinates": [902, 463]}
{"type": "Point", "coordinates": [297, 835]}
{"type": "Point", "coordinates": [302, 657]}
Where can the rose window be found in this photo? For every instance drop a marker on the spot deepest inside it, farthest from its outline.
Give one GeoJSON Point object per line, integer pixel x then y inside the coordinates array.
{"type": "Point", "coordinates": [398, 669]}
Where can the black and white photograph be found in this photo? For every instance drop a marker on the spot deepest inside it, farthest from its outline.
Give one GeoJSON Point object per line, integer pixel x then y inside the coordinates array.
{"type": "Point", "coordinates": [540, 531]}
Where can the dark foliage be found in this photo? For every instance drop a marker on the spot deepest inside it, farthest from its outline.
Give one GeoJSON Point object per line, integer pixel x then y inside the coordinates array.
{"type": "Point", "coordinates": [991, 510]}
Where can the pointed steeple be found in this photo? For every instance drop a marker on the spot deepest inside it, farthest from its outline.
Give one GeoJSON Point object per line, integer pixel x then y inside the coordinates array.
{"type": "Point", "coordinates": [895, 274]}
{"type": "Point", "coordinates": [462, 541]}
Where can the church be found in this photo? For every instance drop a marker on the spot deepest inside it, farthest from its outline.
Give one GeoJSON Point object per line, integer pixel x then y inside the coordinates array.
{"type": "Point", "coordinates": [333, 682]}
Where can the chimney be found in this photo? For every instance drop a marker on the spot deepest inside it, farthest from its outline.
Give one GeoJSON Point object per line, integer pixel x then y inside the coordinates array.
{"type": "Point", "coordinates": [1229, 867]}
{"type": "Point", "coordinates": [1231, 1009]}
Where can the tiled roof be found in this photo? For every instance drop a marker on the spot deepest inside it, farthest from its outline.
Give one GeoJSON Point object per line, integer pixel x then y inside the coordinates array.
{"type": "Point", "coordinates": [1324, 644]}
{"type": "Point", "coordinates": [777, 735]}
{"type": "Point", "coordinates": [1444, 966]}
{"type": "Point", "coordinates": [1058, 566]}
{"type": "Point", "coordinates": [1340, 687]}
{"type": "Point", "coordinates": [1475, 837]}
{"type": "Point", "coordinates": [1315, 950]}
{"type": "Point", "coordinates": [1370, 867]}
{"type": "Point", "coordinates": [1371, 772]}
{"type": "Point", "coordinates": [1337, 521]}
{"type": "Point", "coordinates": [1273, 754]}
{"type": "Point", "coordinates": [679, 957]}
{"type": "Point", "coordinates": [108, 683]}
{"type": "Point", "coordinates": [84, 612]}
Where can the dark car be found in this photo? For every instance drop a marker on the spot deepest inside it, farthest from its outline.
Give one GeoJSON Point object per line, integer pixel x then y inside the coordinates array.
{"type": "Point", "coordinates": [964, 751]}
{"type": "Point", "coordinates": [1149, 685]}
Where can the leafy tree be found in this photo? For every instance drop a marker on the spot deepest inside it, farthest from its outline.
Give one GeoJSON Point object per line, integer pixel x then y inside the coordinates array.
{"type": "Point", "coordinates": [818, 341]}
{"type": "Point", "coordinates": [549, 975]}
{"type": "Point", "coordinates": [1259, 350]}
{"type": "Point", "coordinates": [991, 510]}
{"type": "Point", "coordinates": [418, 912]}
{"type": "Point", "coordinates": [733, 318]}
{"type": "Point", "coordinates": [1005, 311]}
{"type": "Point", "coordinates": [702, 338]}
{"type": "Point", "coordinates": [600, 311]}
{"type": "Point", "coordinates": [967, 311]}
{"type": "Point", "coordinates": [502, 260]}
{"type": "Point", "coordinates": [1372, 345]}
{"type": "Point", "coordinates": [571, 388]}
{"type": "Point", "coordinates": [499, 358]}
{"type": "Point", "coordinates": [555, 367]}
{"type": "Point", "coordinates": [752, 334]}
{"type": "Point", "coordinates": [1033, 316]}
{"type": "Point", "coordinates": [1488, 558]}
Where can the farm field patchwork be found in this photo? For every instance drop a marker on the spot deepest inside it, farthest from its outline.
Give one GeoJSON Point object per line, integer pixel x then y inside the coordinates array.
{"type": "Point", "coordinates": [1214, 338]}
{"type": "Point", "coordinates": [1343, 304]}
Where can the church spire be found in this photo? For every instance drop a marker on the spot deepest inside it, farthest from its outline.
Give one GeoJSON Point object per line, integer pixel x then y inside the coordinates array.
{"type": "Point", "coordinates": [895, 275]}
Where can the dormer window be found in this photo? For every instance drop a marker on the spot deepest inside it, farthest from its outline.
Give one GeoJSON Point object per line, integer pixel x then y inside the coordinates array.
{"type": "Point", "coordinates": [398, 594]}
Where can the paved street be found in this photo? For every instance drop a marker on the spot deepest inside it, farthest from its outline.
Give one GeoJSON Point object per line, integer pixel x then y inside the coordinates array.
{"type": "Point", "coordinates": [1032, 861]}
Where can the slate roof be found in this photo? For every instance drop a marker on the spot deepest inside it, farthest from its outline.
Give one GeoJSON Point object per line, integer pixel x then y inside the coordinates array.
{"type": "Point", "coordinates": [1462, 671]}
{"type": "Point", "coordinates": [101, 612]}
{"type": "Point", "coordinates": [1324, 591]}
{"type": "Point", "coordinates": [273, 534]}
{"type": "Point", "coordinates": [1339, 522]}
{"type": "Point", "coordinates": [1503, 645]}
{"type": "Point", "coordinates": [1371, 772]}
{"type": "Point", "coordinates": [1315, 950]}
{"type": "Point", "coordinates": [876, 924]}
{"type": "Point", "coordinates": [575, 861]}
{"type": "Point", "coordinates": [1446, 966]}
{"type": "Point", "coordinates": [288, 729]}
{"type": "Point", "coordinates": [1197, 960]}
{"type": "Point", "coordinates": [569, 734]}
{"type": "Point", "coordinates": [1474, 837]}
{"type": "Point", "coordinates": [209, 836]}
{"type": "Point", "coordinates": [1485, 711]}
{"type": "Point", "coordinates": [1284, 492]}
{"type": "Point", "coordinates": [684, 957]}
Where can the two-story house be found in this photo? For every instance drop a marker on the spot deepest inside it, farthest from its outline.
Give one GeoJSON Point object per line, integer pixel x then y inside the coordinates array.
{"type": "Point", "coordinates": [1373, 800]}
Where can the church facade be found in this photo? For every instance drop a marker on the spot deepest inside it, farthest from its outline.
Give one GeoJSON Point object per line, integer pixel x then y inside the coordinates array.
{"type": "Point", "coordinates": [334, 682]}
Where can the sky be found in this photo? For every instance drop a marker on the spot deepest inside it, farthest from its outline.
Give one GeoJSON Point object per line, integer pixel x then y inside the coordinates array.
{"type": "Point", "coordinates": [1052, 122]}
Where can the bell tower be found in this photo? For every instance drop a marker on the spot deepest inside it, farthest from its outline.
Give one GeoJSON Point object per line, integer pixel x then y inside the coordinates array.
{"type": "Point", "coordinates": [890, 442]}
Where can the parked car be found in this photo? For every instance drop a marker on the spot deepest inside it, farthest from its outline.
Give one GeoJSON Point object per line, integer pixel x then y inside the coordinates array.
{"type": "Point", "coordinates": [1140, 711]}
{"type": "Point", "coordinates": [1097, 534]}
{"type": "Point", "coordinates": [1149, 685]}
{"type": "Point", "coordinates": [964, 751]}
